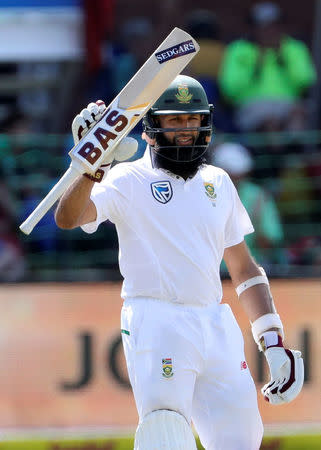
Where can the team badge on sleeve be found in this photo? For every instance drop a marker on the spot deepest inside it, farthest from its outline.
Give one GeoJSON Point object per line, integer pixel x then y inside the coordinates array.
{"type": "Point", "coordinates": [167, 368]}
{"type": "Point", "coordinates": [162, 191]}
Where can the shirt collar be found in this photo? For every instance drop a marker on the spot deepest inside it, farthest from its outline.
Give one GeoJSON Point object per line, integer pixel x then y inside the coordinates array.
{"type": "Point", "coordinates": [147, 157]}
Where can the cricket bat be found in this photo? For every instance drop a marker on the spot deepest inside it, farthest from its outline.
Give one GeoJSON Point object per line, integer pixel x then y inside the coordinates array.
{"type": "Point", "coordinates": [121, 116]}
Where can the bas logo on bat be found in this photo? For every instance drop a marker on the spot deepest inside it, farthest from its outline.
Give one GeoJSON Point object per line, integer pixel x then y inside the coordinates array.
{"type": "Point", "coordinates": [174, 52]}
{"type": "Point", "coordinates": [113, 119]}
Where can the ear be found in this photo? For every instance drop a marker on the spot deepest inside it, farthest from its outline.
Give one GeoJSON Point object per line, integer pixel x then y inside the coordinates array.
{"type": "Point", "coordinates": [148, 139]}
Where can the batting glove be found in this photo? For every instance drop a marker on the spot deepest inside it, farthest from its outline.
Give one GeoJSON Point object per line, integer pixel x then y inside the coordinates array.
{"type": "Point", "coordinates": [81, 125]}
{"type": "Point", "coordinates": [286, 370]}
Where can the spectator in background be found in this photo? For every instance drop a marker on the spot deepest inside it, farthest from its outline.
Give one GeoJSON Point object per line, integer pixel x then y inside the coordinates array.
{"type": "Point", "coordinates": [121, 57]}
{"type": "Point", "coordinates": [99, 27]}
{"type": "Point", "coordinates": [14, 141]}
{"type": "Point", "coordinates": [36, 102]}
{"type": "Point", "coordinates": [29, 177]}
{"type": "Point", "coordinates": [236, 160]}
{"type": "Point", "coordinates": [137, 44]}
{"type": "Point", "coordinates": [8, 100]}
{"type": "Point", "coordinates": [307, 252]}
{"type": "Point", "coordinates": [45, 237]}
{"type": "Point", "coordinates": [204, 26]}
{"type": "Point", "coordinates": [296, 196]}
{"type": "Point", "coordinates": [266, 78]}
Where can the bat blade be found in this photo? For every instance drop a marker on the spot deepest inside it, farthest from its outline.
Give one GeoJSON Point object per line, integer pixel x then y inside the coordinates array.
{"type": "Point", "coordinates": [122, 115]}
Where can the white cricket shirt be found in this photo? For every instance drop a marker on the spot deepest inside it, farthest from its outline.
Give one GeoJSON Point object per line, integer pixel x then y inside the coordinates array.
{"type": "Point", "coordinates": [172, 233]}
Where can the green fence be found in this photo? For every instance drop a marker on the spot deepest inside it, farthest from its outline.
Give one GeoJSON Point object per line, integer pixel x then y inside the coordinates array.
{"type": "Point", "coordinates": [32, 164]}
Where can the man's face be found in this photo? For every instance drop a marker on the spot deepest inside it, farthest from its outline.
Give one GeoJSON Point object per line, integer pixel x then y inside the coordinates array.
{"type": "Point", "coordinates": [176, 150]}
{"type": "Point", "coordinates": [184, 137]}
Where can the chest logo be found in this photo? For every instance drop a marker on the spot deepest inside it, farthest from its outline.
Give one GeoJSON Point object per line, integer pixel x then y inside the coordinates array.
{"type": "Point", "coordinates": [162, 191]}
{"type": "Point", "coordinates": [210, 191]}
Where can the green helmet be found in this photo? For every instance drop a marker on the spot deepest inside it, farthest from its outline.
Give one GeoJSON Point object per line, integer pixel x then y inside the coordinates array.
{"type": "Point", "coordinates": [185, 95]}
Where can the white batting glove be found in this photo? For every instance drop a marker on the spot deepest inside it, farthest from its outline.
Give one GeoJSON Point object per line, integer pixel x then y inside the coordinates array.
{"type": "Point", "coordinates": [81, 125]}
{"type": "Point", "coordinates": [286, 370]}
{"type": "Point", "coordinates": [88, 117]}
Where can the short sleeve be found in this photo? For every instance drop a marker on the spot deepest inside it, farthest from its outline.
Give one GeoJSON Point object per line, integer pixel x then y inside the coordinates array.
{"type": "Point", "coordinates": [111, 198]}
{"type": "Point", "coordinates": [238, 223]}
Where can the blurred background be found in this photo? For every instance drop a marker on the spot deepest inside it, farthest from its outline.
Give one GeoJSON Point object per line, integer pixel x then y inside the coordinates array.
{"type": "Point", "coordinates": [260, 64]}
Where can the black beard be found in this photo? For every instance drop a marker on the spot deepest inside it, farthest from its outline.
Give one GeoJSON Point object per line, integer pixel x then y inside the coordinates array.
{"type": "Point", "coordinates": [183, 169]}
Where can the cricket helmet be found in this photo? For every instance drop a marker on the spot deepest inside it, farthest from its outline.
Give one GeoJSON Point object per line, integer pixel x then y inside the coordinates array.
{"type": "Point", "coordinates": [185, 95]}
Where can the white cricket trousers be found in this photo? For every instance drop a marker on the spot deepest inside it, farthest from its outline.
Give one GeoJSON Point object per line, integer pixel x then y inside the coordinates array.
{"type": "Point", "coordinates": [190, 359]}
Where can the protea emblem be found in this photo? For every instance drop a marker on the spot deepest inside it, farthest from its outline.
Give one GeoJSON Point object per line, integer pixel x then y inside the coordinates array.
{"type": "Point", "coordinates": [210, 191]}
{"type": "Point", "coordinates": [183, 95]}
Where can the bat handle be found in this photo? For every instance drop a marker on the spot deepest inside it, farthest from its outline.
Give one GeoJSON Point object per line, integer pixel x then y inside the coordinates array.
{"type": "Point", "coordinates": [56, 192]}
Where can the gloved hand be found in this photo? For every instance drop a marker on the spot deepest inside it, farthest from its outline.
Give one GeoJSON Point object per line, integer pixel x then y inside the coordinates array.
{"type": "Point", "coordinates": [81, 125]}
{"type": "Point", "coordinates": [286, 370]}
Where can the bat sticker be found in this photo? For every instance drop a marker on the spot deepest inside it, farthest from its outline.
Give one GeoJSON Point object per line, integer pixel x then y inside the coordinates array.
{"type": "Point", "coordinates": [175, 52]}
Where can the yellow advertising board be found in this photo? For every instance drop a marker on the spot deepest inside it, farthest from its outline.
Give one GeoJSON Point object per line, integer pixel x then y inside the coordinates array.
{"type": "Point", "coordinates": [62, 363]}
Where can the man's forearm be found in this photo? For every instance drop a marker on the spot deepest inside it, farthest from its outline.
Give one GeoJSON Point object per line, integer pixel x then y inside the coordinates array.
{"type": "Point", "coordinates": [257, 301]}
{"type": "Point", "coordinates": [256, 298]}
{"type": "Point", "coordinates": [74, 203]}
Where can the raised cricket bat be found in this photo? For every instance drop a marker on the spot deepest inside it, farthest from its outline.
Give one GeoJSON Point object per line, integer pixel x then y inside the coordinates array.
{"type": "Point", "coordinates": [121, 116]}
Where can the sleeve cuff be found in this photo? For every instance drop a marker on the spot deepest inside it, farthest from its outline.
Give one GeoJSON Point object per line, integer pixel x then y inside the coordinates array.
{"type": "Point", "coordinates": [239, 239]}
{"type": "Point", "coordinates": [90, 227]}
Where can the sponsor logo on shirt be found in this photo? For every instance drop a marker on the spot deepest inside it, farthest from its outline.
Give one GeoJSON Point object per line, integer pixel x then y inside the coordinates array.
{"type": "Point", "coordinates": [176, 51]}
{"type": "Point", "coordinates": [167, 368]}
{"type": "Point", "coordinates": [162, 191]}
